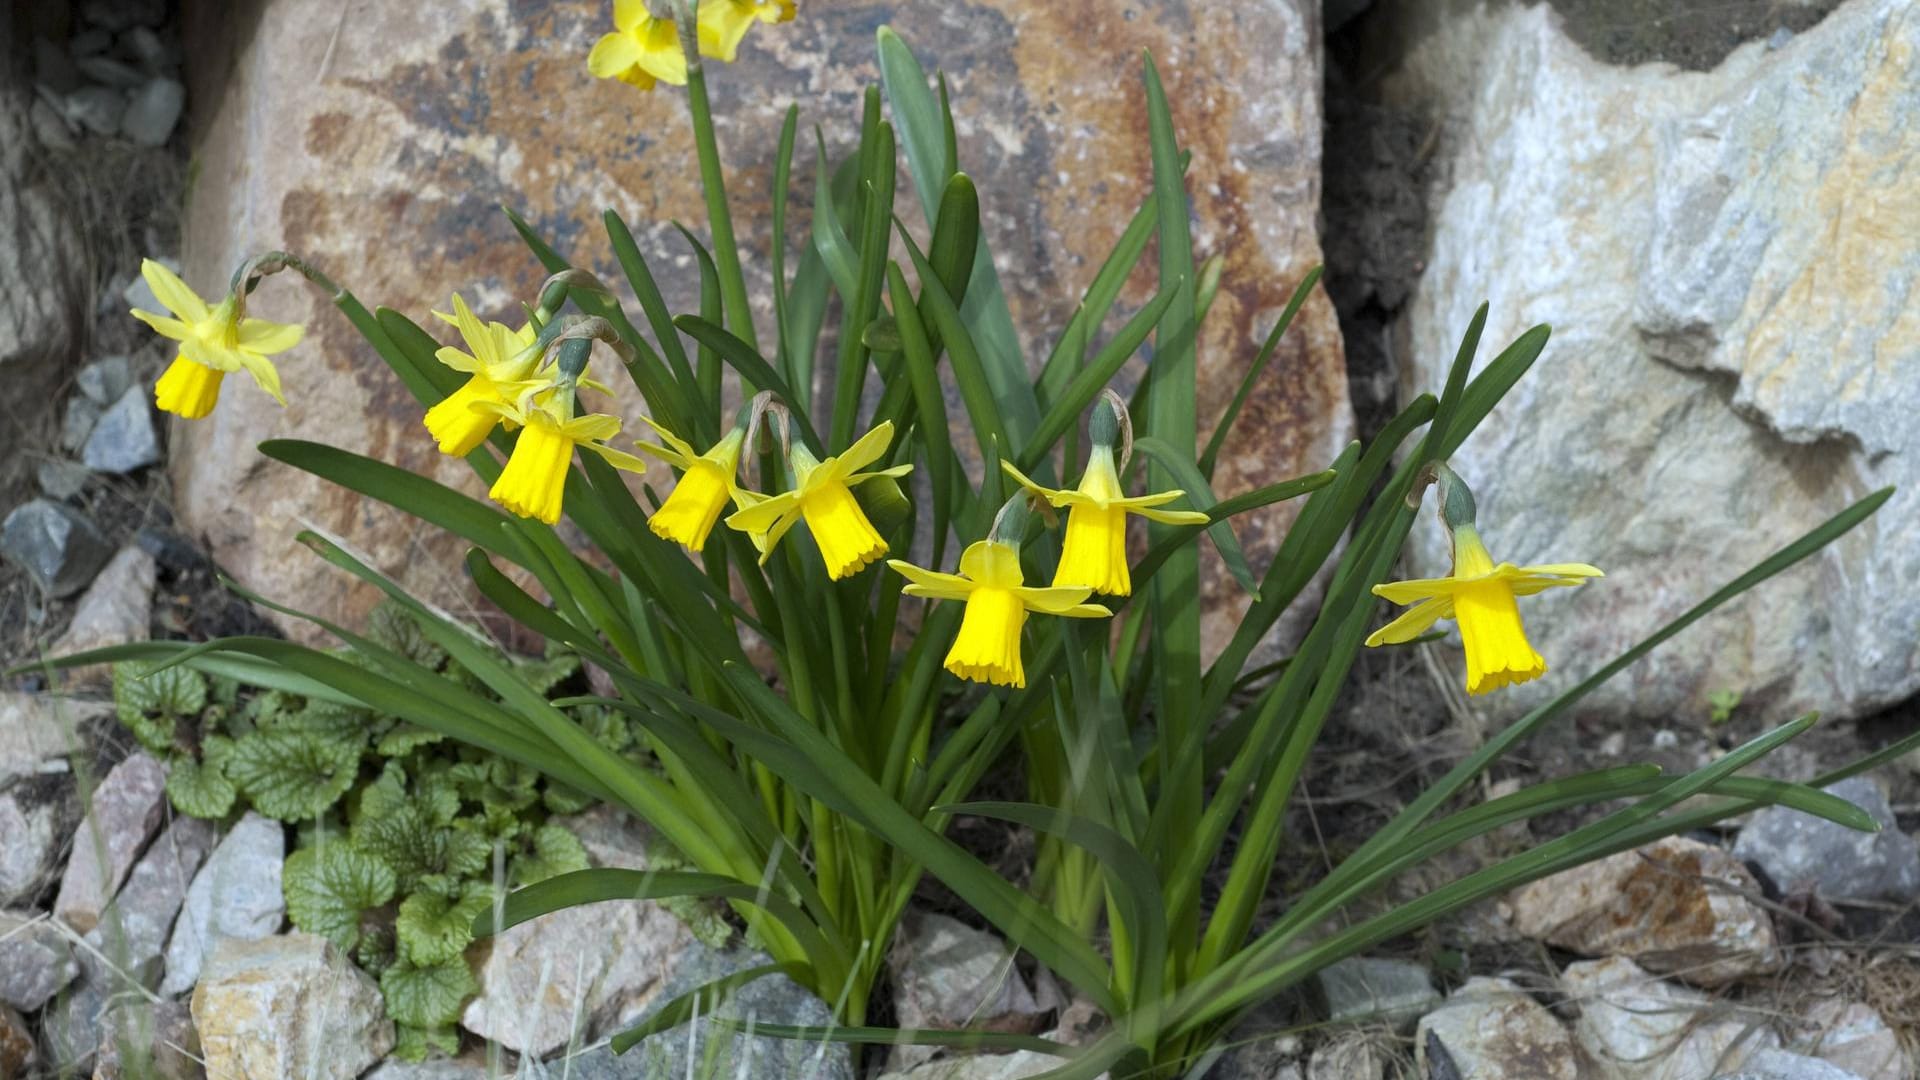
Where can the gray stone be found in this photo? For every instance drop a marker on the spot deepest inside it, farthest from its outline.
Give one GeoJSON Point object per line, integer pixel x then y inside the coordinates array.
{"type": "Point", "coordinates": [1015, 1066]}
{"type": "Point", "coordinates": [153, 111]}
{"type": "Point", "coordinates": [774, 999]}
{"type": "Point", "coordinates": [291, 1006]}
{"type": "Point", "coordinates": [236, 895]}
{"type": "Point", "coordinates": [53, 68]}
{"type": "Point", "coordinates": [947, 974]}
{"type": "Point", "coordinates": [1732, 353]}
{"type": "Point", "coordinates": [132, 933]}
{"type": "Point", "coordinates": [76, 423]}
{"type": "Point", "coordinates": [1675, 906]}
{"type": "Point", "coordinates": [124, 439]}
{"type": "Point", "coordinates": [37, 730]}
{"type": "Point", "coordinates": [71, 1027]}
{"type": "Point", "coordinates": [16, 1043]}
{"type": "Point", "coordinates": [1350, 1058]}
{"type": "Point", "coordinates": [61, 479]}
{"type": "Point", "coordinates": [35, 960]}
{"type": "Point", "coordinates": [114, 610]}
{"type": "Point", "coordinates": [587, 962]}
{"type": "Point", "coordinates": [1780, 1065]}
{"type": "Point", "coordinates": [89, 42]}
{"type": "Point", "coordinates": [1798, 851]}
{"type": "Point", "coordinates": [1636, 1027]}
{"type": "Point", "coordinates": [107, 71]}
{"type": "Point", "coordinates": [56, 544]}
{"type": "Point", "coordinates": [97, 109]}
{"type": "Point", "coordinates": [395, 1069]}
{"type": "Point", "coordinates": [106, 379]}
{"type": "Point", "coordinates": [146, 1040]}
{"type": "Point", "coordinates": [50, 125]}
{"type": "Point", "coordinates": [37, 815]}
{"type": "Point", "coordinates": [155, 52]}
{"type": "Point", "coordinates": [1492, 1030]}
{"type": "Point", "coordinates": [1854, 1036]}
{"type": "Point", "coordinates": [1375, 988]}
{"type": "Point", "coordinates": [42, 263]}
{"type": "Point", "coordinates": [124, 813]}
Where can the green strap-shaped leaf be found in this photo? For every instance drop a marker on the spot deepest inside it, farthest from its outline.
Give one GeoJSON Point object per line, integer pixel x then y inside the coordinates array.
{"type": "Point", "coordinates": [1184, 474]}
{"type": "Point", "coordinates": [1078, 394]}
{"type": "Point", "coordinates": [961, 1039]}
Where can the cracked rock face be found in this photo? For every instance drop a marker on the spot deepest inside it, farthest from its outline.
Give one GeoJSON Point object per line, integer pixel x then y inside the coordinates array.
{"type": "Point", "coordinates": [1726, 260]}
{"type": "Point", "coordinates": [386, 166]}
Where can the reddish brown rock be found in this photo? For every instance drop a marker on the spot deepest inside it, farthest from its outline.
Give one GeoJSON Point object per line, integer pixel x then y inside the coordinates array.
{"type": "Point", "coordinates": [380, 144]}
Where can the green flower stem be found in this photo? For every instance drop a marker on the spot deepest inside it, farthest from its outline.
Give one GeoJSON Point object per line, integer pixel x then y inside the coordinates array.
{"type": "Point", "coordinates": [733, 284]}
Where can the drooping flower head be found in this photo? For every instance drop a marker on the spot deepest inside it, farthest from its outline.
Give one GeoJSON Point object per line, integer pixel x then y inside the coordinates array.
{"type": "Point", "coordinates": [501, 363]}
{"type": "Point", "coordinates": [214, 340]}
{"type": "Point", "coordinates": [533, 482]}
{"type": "Point", "coordinates": [822, 496]}
{"type": "Point", "coordinates": [705, 487]}
{"type": "Point", "coordinates": [1094, 553]}
{"type": "Point", "coordinates": [1479, 597]}
{"type": "Point", "coordinates": [987, 648]}
{"type": "Point", "coordinates": [644, 47]}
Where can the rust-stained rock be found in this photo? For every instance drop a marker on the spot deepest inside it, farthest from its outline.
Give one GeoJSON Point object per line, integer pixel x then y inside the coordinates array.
{"type": "Point", "coordinates": [380, 143]}
{"type": "Point", "coordinates": [1676, 907]}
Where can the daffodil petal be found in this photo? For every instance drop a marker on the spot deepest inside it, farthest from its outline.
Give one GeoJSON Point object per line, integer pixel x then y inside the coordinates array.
{"type": "Point", "coordinates": [1167, 517]}
{"type": "Point", "coordinates": [1057, 599]}
{"type": "Point", "coordinates": [895, 471]}
{"type": "Point", "coordinates": [177, 295]}
{"type": "Point", "coordinates": [680, 446]}
{"type": "Point", "coordinates": [613, 55]}
{"type": "Point", "coordinates": [628, 14]}
{"type": "Point", "coordinates": [267, 338]}
{"type": "Point", "coordinates": [1052, 495]}
{"type": "Point", "coordinates": [1572, 569]}
{"type": "Point", "coordinates": [457, 360]}
{"type": "Point", "coordinates": [619, 459]}
{"type": "Point", "coordinates": [931, 584]}
{"type": "Point", "coordinates": [672, 457]}
{"type": "Point", "coordinates": [761, 516]}
{"type": "Point", "coordinates": [264, 373]}
{"type": "Point", "coordinates": [173, 329]}
{"type": "Point", "coordinates": [1406, 592]}
{"type": "Point", "coordinates": [990, 562]}
{"type": "Point", "coordinates": [1413, 622]}
{"type": "Point", "coordinates": [866, 450]}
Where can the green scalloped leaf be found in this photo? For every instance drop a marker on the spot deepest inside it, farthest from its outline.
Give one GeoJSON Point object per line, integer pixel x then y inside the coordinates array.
{"type": "Point", "coordinates": [328, 887]}
{"type": "Point", "coordinates": [151, 703]}
{"type": "Point", "coordinates": [433, 929]}
{"type": "Point", "coordinates": [293, 775]}
{"type": "Point", "coordinates": [554, 851]}
{"type": "Point", "coordinates": [394, 627]}
{"type": "Point", "coordinates": [404, 739]}
{"type": "Point", "coordinates": [416, 1044]}
{"type": "Point", "coordinates": [199, 789]}
{"type": "Point", "coordinates": [416, 847]}
{"type": "Point", "coordinates": [427, 997]}
{"type": "Point", "coordinates": [546, 673]}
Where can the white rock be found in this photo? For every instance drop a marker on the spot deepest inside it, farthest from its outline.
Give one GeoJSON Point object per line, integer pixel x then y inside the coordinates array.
{"type": "Point", "coordinates": [37, 730]}
{"type": "Point", "coordinates": [1798, 850]}
{"type": "Point", "coordinates": [1855, 1037]}
{"type": "Point", "coordinates": [133, 932]}
{"type": "Point", "coordinates": [235, 895]}
{"type": "Point", "coordinates": [1015, 1066]}
{"type": "Point", "coordinates": [1640, 1028]}
{"type": "Point", "coordinates": [35, 960]}
{"type": "Point", "coordinates": [586, 962]}
{"type": "Point", "coordinates": [1667, 224]}
{"type": "Point", "coordinates": [114, 610]}
{"type": "Point", "coordinates": [97, 109]}
{"type": "Point", "coordinates": [36, 817]}
{"type": "Point", "coordinates": [1780, 1065]}
{"type": "Point", "coordinates": [124, 438]}
{"type": "Point", "coordinates": [153, 111]}
{"type": "Point", "coordinates": [1675, 906]}
{"type": "Point", "coordinates": [1492, 1030]}
{"type": "Point", "coordinates": [125, 812]}
{"type": "Point", "coordinates": [947, 974]}
{"type": "Point", "coordinates": [1350, 1058]}
{"type": "Point", "coordinates": [290, 1006]}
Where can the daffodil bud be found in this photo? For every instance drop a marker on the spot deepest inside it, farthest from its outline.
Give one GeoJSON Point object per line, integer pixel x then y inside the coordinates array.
{"type": "Point", "coordinates": [1010, 524]}
{"type": "Point", "coordinates": [1103, 427]}
{"type": "Point", "coordinates": [572, 358]}
{"type": "Point", "coordinates": [1456, 499]}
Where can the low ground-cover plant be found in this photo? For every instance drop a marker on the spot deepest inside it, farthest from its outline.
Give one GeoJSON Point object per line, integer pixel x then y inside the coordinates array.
{"type": "Point", "coordinates": [403, 837]}
{"type": "Point", "coordinates": [812, 791]}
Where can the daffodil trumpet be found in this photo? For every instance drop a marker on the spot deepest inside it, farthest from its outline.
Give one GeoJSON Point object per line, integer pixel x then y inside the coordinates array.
{"type": "Point", "coordinates": [987, 647]}
{"type": "Point", "coordinates": [533, 482]}
{"type": "Point", "coordinates": [214, 341]}
{"type": "Point", "coordinates": [1094, 552]}
{"type": "Point", "coordinates": [1479, 596]}
{"type": "Point", "coordinates": [707, 484]}
{"type": "Point", "coordinates": [822, 496]}
{"type": "Point", "coordinates": [501, 364]}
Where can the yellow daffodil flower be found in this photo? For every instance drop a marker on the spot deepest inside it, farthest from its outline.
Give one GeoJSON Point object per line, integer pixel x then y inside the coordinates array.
{"type": "Point", "coordinates": [213, 341]}
{"type": "Point", "coordinates": [533, 483]}
{"type": "Point", "coordinates": [644, 49]}
{"type": "Point", "coordinates": [987, 648]}
{"type": "Point", "coordinates": [1479, 597]}
{"type": "Point", "coordinates": [822, 496]}
{"type": "Point", "coordinates": [705, 486]}
{"type": "Point", "coordinates": [1094, 553]}
{"type": "Point", "coordinates": [501, 364]}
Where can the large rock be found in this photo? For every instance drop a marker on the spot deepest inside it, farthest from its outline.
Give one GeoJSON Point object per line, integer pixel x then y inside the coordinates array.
{"type": "Point", "coordinates": [35, 960]}
{"type": "Point", "coordinates": [949, 975]}
{"type": "Point", "coordinates": [1491, 1030]}
{"type": "Point", "coordinates": [235, 895]}
{"type": "Point", "coordinates": [1636, 1027]}
{"type": "Point", "coordinates": [37, 815]}
{"type": "Point", "coordinates": [114, 610]}
{"type": "Point", "coordinates": [42, 259]}
{"type": "Point", "coordinates": [125, 812]}
{"type": "Point", "coordinates": [1800, 851]}
{"type": "Point", "coordinates": [1780, 1065]}
{"type": "Point", "coordinates": [1734, 347]}
{"type": "Point", "coordinates": [133, 932]}
{"type": "Point", "coordinates": [149, 1041]}
{"type": "Point", "coordinates": [38, 730]}
{"type": "Point", "coordinates": [1675, 906]}
{"type": "Point", "coordinates": [288, 1006]}
{"type": "Point", "coordinates": [579, 964]}
{"type": "Point", "coordinates": [57, 545]}
{"type": "Point", "coordinates": [1854, 1036]}
{"type": "Point", "coordinates": [386, 168]}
